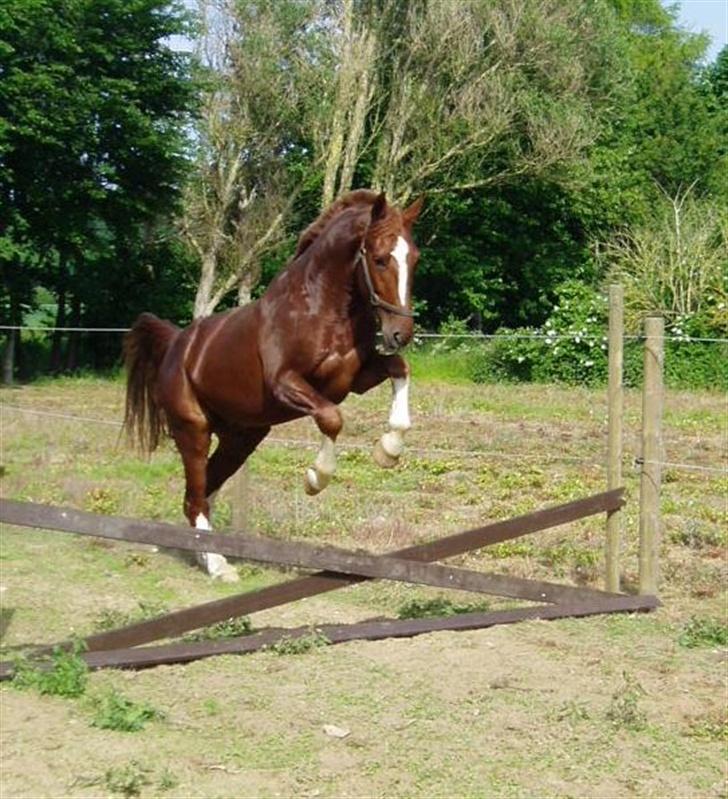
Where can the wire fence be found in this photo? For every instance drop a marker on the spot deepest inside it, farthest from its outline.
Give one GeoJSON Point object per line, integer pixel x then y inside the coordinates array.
{"type": "Point", "coordinates": [418, 335]}
{"type": "Point", "coordinates": [489, 454]}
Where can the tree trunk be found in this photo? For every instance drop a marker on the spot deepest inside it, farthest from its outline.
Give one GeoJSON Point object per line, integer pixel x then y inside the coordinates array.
{"type": "Point", "coordinates": [8, 367]}
{"type": "Point", "coordinates": [57, 346]}
{"type": "Point", "coordinates": [203, 296]}
{"type": "Point", "coordinates": [74, 336]}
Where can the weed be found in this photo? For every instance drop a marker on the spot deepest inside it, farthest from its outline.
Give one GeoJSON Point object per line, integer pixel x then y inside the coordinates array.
{"type": "Point", "coordinates": [694, 535]}
{"type": "Point", "coordinates": [289, 645]}
{"type": "Point", "coordinates": [65, 673]}
{"type": "Point", "coordinates": [111, 619]}
{"type": "Point", "coordinates": [624, 710]}
{"type": "Point", "coordinates": [703, 632]}
{"type": "Point", "coordinates": [710, 727]}
{"type": "Point", "coordinates": [211, 707]}
{"type": "Point", "coordinates": [231, 628]}
{"type": "Point", "coordinates": [102, 500]}
{"type": "Point", "coordinates": [573, 711]}
{"type": "Point", "coordinates": [116, 712]}
{"type": "Point", "coordinates": [127, 780]}
{"type": "Point", "coordinates": [167, 781]}
{"type": "Point", "coordinates": [439, 606]}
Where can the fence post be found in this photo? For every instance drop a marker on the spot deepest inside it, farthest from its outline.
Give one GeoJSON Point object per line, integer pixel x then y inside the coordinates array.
{"type": "Point", "coordinates": [239, 499]}
{"type": "Point", "coordinates": [615, 400]}
{"type": "Point", "coordinates": [652, 402]}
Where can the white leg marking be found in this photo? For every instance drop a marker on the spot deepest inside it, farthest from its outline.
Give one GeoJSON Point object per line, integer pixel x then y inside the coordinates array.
{"type": "Point", "coordinates": [319, 475]}
{"type": "Point", "coordinates": [392, 442]}
{"type": "Point", "coordinates": [399, 253]}
{"type": "Point", "coordinates": [399, 416]}
{"type": "Point", "coordinates": [215, 565]}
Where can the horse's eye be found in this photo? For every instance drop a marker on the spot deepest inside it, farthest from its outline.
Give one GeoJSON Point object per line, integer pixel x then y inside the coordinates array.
{"type": "Point", "coordinates": [382, 261]}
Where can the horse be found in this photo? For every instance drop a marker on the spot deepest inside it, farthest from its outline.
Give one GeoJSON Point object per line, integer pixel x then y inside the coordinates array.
{"type": "Point", "coordinates": [333, 321]}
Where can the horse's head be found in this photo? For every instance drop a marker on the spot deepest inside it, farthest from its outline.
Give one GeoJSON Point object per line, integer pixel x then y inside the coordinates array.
{"type": "Point", "coordinates": [388, 261]}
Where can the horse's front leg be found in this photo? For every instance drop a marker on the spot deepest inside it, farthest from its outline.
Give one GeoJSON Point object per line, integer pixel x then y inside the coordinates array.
{"type": "Point", "coordinates": [293, 391]}
{"type": "Point", "coordinates": [390, 446]}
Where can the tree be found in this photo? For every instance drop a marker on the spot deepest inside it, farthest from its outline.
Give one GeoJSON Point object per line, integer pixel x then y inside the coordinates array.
{"type": "Point", "coordinates": [264, 67]}
{"type": "Point", "coordinates": [93, 104]}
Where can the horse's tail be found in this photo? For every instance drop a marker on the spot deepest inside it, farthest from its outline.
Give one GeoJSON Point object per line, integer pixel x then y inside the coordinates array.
{"type": "Point", "coordinates": [144, 347]}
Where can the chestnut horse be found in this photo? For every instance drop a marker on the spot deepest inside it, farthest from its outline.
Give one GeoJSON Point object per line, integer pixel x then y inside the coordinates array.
{"type": "Point", "coordinates": [298, 350]}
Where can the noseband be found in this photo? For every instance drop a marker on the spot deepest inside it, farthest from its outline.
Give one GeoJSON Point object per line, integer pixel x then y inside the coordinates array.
{"type": "Point", "coordinates": [374, 298]}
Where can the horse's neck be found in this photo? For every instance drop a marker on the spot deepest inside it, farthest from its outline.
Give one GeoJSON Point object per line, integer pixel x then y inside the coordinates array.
{"type": "Point", "coordinates": [332, 260]}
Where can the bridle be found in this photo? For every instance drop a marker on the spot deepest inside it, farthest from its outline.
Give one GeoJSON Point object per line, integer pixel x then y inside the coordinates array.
{"type": "Point", "coordinates": [375, 300]}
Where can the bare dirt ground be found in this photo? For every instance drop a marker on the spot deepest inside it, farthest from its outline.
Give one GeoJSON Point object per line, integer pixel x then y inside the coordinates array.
{"type": "Point", "coordinates": [615, 706]}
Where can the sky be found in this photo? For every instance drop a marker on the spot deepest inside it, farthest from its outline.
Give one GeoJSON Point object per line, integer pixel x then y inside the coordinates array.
{"type": "Point", "coordinates": [698, 16]}
{"type": "Point", "coordinates": [705, 16]}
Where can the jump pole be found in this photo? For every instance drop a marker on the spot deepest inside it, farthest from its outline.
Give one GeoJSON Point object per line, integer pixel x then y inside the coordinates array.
{"type": "Point", "coordinates": [615, 402]}
{"type": "Point", "coordinates": [651, 476]}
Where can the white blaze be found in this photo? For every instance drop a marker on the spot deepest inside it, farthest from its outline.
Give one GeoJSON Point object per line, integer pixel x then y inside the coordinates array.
{"type": "Point", "coordinates": [399, 253]}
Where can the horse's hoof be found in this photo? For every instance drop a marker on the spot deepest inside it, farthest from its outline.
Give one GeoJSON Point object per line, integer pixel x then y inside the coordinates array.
{"type": "Point", "coordinates": [383, 458]}
{"type": "Point", "coordinates": [218, 568]}
{"type": "Point", "coordinates": [315, 482]}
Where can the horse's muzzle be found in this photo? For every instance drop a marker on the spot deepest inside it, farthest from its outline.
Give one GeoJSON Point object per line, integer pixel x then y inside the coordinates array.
{"type": "Point", "coordinates": [392, 341]}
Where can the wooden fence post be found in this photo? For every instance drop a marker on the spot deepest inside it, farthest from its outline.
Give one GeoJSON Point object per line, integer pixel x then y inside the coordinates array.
{"type": "Point", "coordinates": [615, 399]}
{"type": "Point", "coordinates": [652, 402]}
{"type": "Point", "coordinates": [239, 499]}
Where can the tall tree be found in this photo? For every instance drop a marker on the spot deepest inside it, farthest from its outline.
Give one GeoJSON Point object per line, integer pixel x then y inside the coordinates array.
{"type": "Point", "coordinates": [94, 104]}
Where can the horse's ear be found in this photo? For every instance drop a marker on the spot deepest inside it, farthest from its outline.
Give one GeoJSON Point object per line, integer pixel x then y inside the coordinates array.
{"type": "Point", "coordinates": [379, 208]}
{"type": "Point", "coordinates": [410, 214]}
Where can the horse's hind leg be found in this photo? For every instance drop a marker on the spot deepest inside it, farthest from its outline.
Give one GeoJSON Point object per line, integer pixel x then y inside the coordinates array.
{"type": "Point", "coordinates": [193, 442]}
{"type": "Point", "coordinates": [231, 453]}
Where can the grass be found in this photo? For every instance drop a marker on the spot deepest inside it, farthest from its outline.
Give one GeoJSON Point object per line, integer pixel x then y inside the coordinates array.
{"type": "Point", "coordinates": [64, 673]}
{"type": "Point", "coordinates": [700, 632]}
{"type": "Point", "coordinates": [417, 709]}
{"type": "Point", "coordinates": [113, 711]}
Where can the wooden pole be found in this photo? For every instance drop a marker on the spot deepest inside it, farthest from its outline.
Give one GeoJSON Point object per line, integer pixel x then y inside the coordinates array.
{"type": "Point", "coordinates": [615, 399]}
{"type": "Point", "coordinates": [239, 499]}
{"type": "Point", "coordinates": [652, 402]}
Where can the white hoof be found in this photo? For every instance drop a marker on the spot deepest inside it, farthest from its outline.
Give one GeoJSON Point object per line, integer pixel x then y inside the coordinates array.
{"type": "Point", "coordinates": [388, 449]}
{"type": "Point", "coordinates": [217, 567]}
{"type": "Point", "coordinates": [315, 481]}
{"type": "Point", "coordinates": [383, 458]}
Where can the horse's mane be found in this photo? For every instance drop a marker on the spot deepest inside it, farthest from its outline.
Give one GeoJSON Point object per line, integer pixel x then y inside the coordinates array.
{"type": "Point", "coordinates": [312, 232]}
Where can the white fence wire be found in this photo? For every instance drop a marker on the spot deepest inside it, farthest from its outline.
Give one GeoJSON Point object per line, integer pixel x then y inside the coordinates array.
{"type": "Point", "coordinates": [449, 451]}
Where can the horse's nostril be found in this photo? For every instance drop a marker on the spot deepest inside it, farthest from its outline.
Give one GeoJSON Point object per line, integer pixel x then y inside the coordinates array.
{"type": "Point", "coordinates": [398, 337]}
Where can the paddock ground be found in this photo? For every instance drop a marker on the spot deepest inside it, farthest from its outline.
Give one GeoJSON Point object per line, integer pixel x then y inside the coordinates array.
{"type": "Point", "coordinates": [615, 706]}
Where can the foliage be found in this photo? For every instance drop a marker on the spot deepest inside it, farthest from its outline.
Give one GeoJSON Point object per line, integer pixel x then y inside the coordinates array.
{"type": "Point", "coordinates": [300, 645]}
{"type": "Point", "coordinates": [232, 628]}
{"type": "Point", "coordinates": [571, 347]}
{"type": "Point", "coordinates": [93, 105]}
{"type": "Point", "coordinates": [64, 673]}
{"type": "Point", "coordinates": [439, 606]}
{"type": "Point", "coordinates": [118, 713]}
{"type": "Point", "coordinates": [704, 632]}
{"type": "Point", "coordinates": [624, 709]}
{"type": "Point", "coordinates": [677, 264]}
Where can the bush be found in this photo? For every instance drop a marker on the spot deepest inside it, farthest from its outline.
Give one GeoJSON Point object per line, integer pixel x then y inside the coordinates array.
{"type": "Point", "coordinates": [64, 673]}
{"type": "Point", "coordinates": [571, 348]}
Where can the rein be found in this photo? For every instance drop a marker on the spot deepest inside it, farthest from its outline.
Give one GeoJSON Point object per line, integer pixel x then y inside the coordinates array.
{"type": "Point", "coordinates": [374, 298]}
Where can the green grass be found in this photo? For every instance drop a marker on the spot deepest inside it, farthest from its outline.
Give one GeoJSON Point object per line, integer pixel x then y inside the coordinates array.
{"type": "Point", "coordinates": [699, 632]}
{"type": "Point", "coordinates": [64, 673]}
{"type": "Point", "coordinates": [113, 711]}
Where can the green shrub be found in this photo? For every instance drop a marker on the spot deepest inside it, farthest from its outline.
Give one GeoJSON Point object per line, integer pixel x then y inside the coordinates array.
{"type": "Point", "coordinates": [704, 632]}
{"type": "Point", "coordinates": [116, 712]}
{"type": "Point", "coordinates": [571, 347]}
{"type": "Point", "coordinates": [301, 645]}
{"type": "Point", "coordinates": [439, 606]}
{"type": "Point", "coordinates": [64, 673]}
